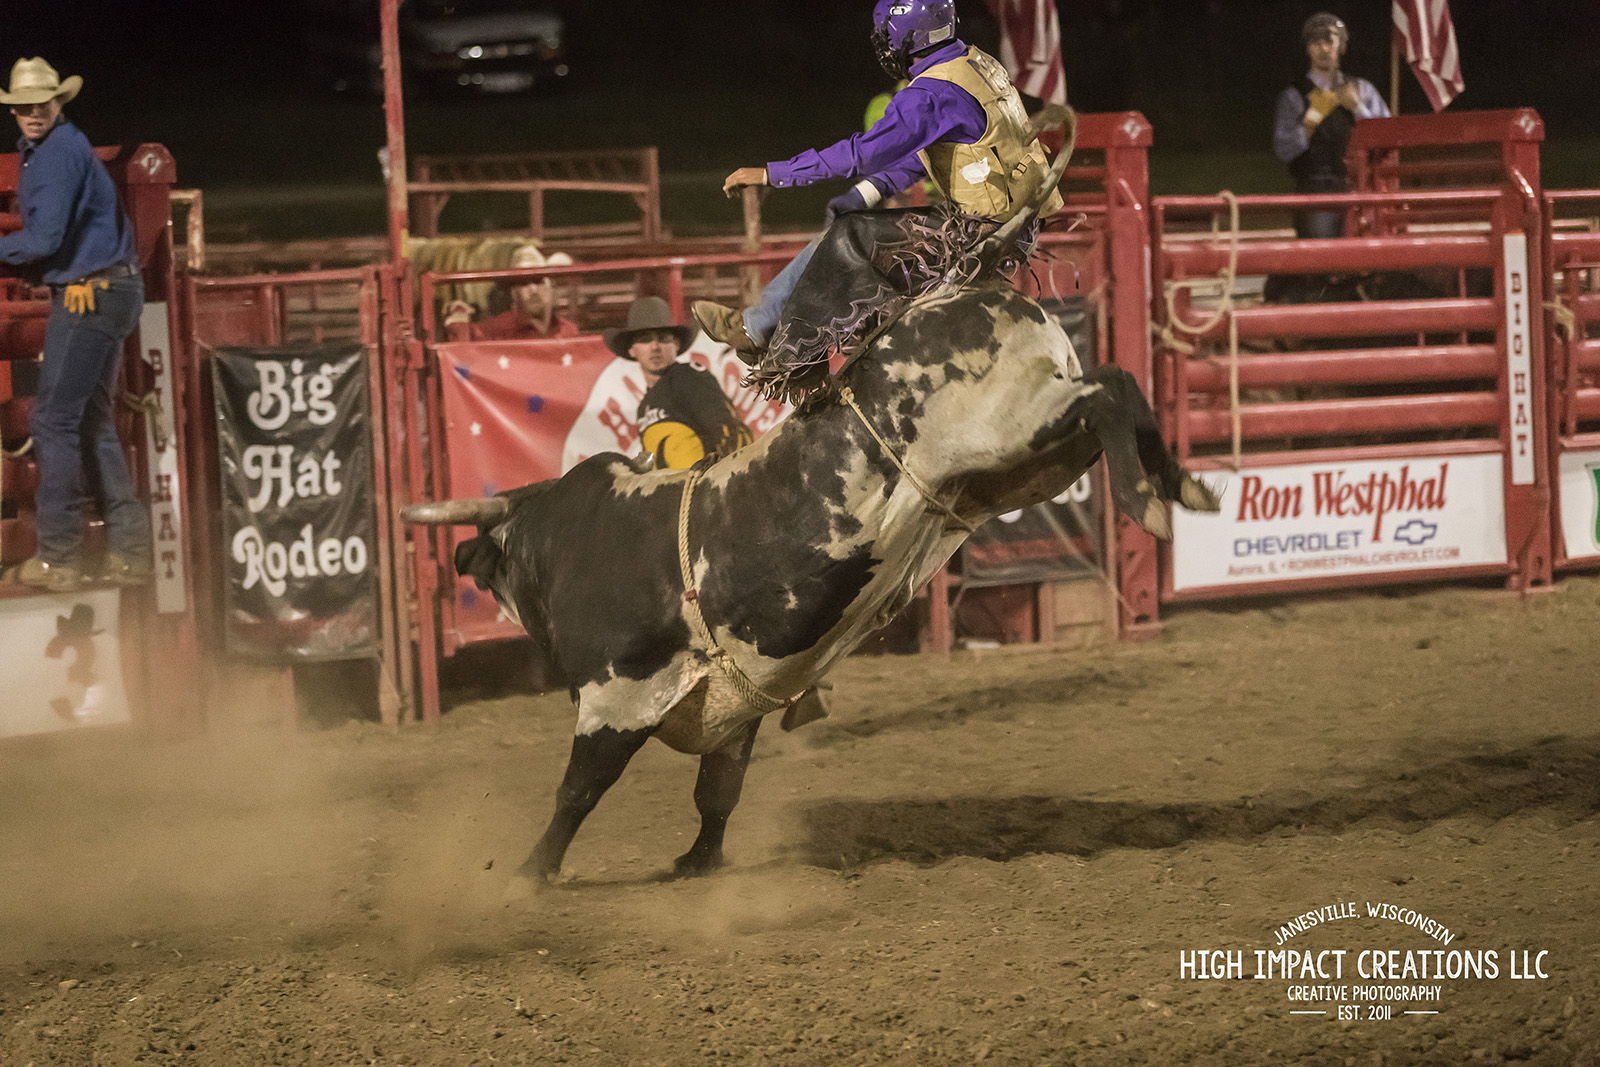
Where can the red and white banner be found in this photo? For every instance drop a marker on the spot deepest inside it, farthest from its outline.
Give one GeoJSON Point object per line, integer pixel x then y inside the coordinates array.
{"type": "Point", "coordinates": [1030, 47]}
{"type": "Point", "coordinates": [518, 412]}
{"type": "Point", "coordinates": [1330, 520]}
{"type": "Point", "coordinates": [1427, 38]}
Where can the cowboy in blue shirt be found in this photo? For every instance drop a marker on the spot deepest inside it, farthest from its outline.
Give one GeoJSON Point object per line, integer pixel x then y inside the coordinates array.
{"type": "Point", "coordinates": [76, 239]}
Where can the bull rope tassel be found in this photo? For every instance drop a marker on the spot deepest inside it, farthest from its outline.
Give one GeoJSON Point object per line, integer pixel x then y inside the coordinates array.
{"type": "Point", "coordinates": [149, 405]}
{"type": "Point", "coordinates": [1226, 277]}
{"type": "Point", "coordinates": [758, 698]}
{"type": "Point", "coordinates": [1566, 321]}
{"type": "Point", "coordinates": [849, 397]}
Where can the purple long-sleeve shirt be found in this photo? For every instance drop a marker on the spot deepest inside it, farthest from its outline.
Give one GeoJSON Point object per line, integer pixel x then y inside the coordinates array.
{"type": "Point", "coordinates": [920, 114]}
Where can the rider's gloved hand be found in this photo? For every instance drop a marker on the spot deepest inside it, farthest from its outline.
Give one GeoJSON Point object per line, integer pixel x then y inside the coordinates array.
{"type": "Point", "coordinates": [849, 200]}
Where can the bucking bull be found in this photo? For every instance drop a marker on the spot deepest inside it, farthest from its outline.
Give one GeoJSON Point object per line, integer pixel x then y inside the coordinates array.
{"type": "Point", "coordinates": [687, 605]}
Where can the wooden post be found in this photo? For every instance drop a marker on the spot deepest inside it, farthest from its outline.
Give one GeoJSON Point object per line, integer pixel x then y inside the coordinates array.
{"type": "Point", "coordinates": [536, 210]}
{"type": "Point", "coordinates": [751, 276]}
{"type": "Point", "coordinates": [940, 631]}
{"type": "Point", "coordinates": [395, 128]}
{"type": "Point", "coordinates": [1394, 75]}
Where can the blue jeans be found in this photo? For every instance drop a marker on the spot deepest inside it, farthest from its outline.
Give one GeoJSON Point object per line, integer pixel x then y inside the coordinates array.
{"type": "Point", "coordinates": [761, 319]}
{"type": "Point", "coordinates": [73, 429]}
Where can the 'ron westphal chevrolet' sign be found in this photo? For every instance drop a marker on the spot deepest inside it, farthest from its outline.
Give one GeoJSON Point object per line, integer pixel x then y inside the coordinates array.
{"type": "Point", "coordinates": [1330, 519]}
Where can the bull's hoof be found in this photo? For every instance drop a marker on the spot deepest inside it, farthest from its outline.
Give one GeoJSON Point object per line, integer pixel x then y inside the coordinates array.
{"type": "Point", "coordinates": [522, 890]}
{"type": "Point", "coordinates": [533, 877]}
{"type": "Point", "coordinates": [1155, 518]}
{"type": "Point", "coordinates": [695, 864]}
{"type": "Point", "coordinates": [1197, 495]}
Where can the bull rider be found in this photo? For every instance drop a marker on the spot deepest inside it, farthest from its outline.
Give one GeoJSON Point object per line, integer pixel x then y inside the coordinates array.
{"type": "Point", "coordinates": [959, 122]}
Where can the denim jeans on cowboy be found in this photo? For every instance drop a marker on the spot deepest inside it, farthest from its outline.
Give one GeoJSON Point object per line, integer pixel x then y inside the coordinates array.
{"type": "Point", "coordinates": [73, 428]}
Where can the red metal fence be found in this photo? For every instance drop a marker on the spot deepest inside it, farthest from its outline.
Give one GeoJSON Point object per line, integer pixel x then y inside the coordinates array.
{"type": "Point", "coordinates": [1421, 416]}
{"type": "Point", "coordinates": [1392, 428]}
{"type": "Point", "coordinates": [1429, 408]}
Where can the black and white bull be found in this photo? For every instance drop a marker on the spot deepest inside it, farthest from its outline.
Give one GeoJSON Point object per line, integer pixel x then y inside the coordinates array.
{"type": "Point", "coordinates": [802, 544]}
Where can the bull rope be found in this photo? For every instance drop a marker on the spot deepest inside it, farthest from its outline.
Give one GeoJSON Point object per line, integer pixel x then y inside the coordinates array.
{"type": "Point", "coordinates": [758, 698]}
{"type": "Point", "coordinates": [1226, 277]}
{"type": "Point", "coordinates": [849, 397]}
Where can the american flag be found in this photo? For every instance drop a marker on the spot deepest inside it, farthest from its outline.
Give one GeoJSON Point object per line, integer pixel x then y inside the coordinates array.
{"type": "Point", "coordinates": [1030, 47]}
{"type": "Point", "coordinates": [1424, 31]}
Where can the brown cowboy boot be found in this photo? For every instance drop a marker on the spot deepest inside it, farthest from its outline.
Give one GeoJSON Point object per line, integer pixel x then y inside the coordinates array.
{"type": "Point", "coordinates": [725, 325]}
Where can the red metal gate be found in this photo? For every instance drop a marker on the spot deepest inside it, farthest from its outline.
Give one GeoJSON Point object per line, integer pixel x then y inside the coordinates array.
{"type": "Point", "coordinates": [1388, 439]}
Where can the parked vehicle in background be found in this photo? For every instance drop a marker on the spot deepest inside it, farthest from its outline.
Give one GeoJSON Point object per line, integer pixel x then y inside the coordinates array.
{"type": "Point", "coordinates": [488, 46]}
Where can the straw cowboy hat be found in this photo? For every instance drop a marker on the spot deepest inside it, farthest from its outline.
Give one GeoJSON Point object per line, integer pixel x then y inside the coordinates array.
{"type": "Point", "coordinates": [645, 313]}
{"type": "Point", "coordinates": [33, 81]}
{"type": "Point", "coordinates": [530, 256]}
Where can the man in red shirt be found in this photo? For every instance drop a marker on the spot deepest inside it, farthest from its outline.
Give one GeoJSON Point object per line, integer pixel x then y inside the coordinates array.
{"type": "Point", "coordinates": [533, 307]}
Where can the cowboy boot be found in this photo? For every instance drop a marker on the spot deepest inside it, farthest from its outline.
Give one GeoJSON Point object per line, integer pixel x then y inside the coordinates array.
{"type": "Point", "coordinates": [51, 577]}
{"type": "Point", "coordinates": [725, 325]}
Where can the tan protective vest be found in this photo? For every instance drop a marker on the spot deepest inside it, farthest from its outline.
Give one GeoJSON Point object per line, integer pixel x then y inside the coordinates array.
{"type": "Point", "coordinates": [996, 175]}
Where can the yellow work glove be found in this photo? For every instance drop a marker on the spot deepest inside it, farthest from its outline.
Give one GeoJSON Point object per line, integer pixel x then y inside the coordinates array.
{"type": "Point", "coordinates": [1318, 106]}
{"type": "Point", "coordinates": [79, 296]}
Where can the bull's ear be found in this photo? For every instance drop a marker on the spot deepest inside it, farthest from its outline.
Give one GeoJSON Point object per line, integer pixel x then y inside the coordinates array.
{"type": "Point", "coordinates": [478, 558]}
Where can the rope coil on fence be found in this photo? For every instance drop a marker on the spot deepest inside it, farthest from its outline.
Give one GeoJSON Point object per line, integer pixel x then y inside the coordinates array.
{"type": "Point", "coordinates": [1565, 319]}
{"type": "Point", "coordinates": [1226, 276]}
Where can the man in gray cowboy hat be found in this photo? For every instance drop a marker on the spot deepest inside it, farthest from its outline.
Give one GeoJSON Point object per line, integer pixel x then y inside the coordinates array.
{"type": "Point", "coordinates": [684, 415]}
{"type": "Point", "coordinates": [76, 239]}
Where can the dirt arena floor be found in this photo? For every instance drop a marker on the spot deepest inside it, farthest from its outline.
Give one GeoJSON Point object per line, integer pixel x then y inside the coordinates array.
{"type": "Point", "coordinates": [997, 858]}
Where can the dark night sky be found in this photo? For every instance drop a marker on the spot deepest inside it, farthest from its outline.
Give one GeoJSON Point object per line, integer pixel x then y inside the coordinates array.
{"type": "Point", "coordinates": [1204, 71]}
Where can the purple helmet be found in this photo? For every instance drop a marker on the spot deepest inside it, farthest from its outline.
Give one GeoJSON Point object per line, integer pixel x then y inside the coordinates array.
{"type": "Point", "coordinates": [903, 28]}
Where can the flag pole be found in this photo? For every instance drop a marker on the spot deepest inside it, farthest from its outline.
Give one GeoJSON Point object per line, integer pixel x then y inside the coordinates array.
{"type": "Point", "coordinates": [1394, 74]}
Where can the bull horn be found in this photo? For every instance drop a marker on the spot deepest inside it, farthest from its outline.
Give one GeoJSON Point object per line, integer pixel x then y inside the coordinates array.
{"type": "Point", "coordinates": [484, 511]}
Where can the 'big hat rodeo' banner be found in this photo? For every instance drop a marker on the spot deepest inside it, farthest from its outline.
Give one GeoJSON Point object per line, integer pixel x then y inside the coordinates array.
{"type": "Point", "coordinates": [295, 441]}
